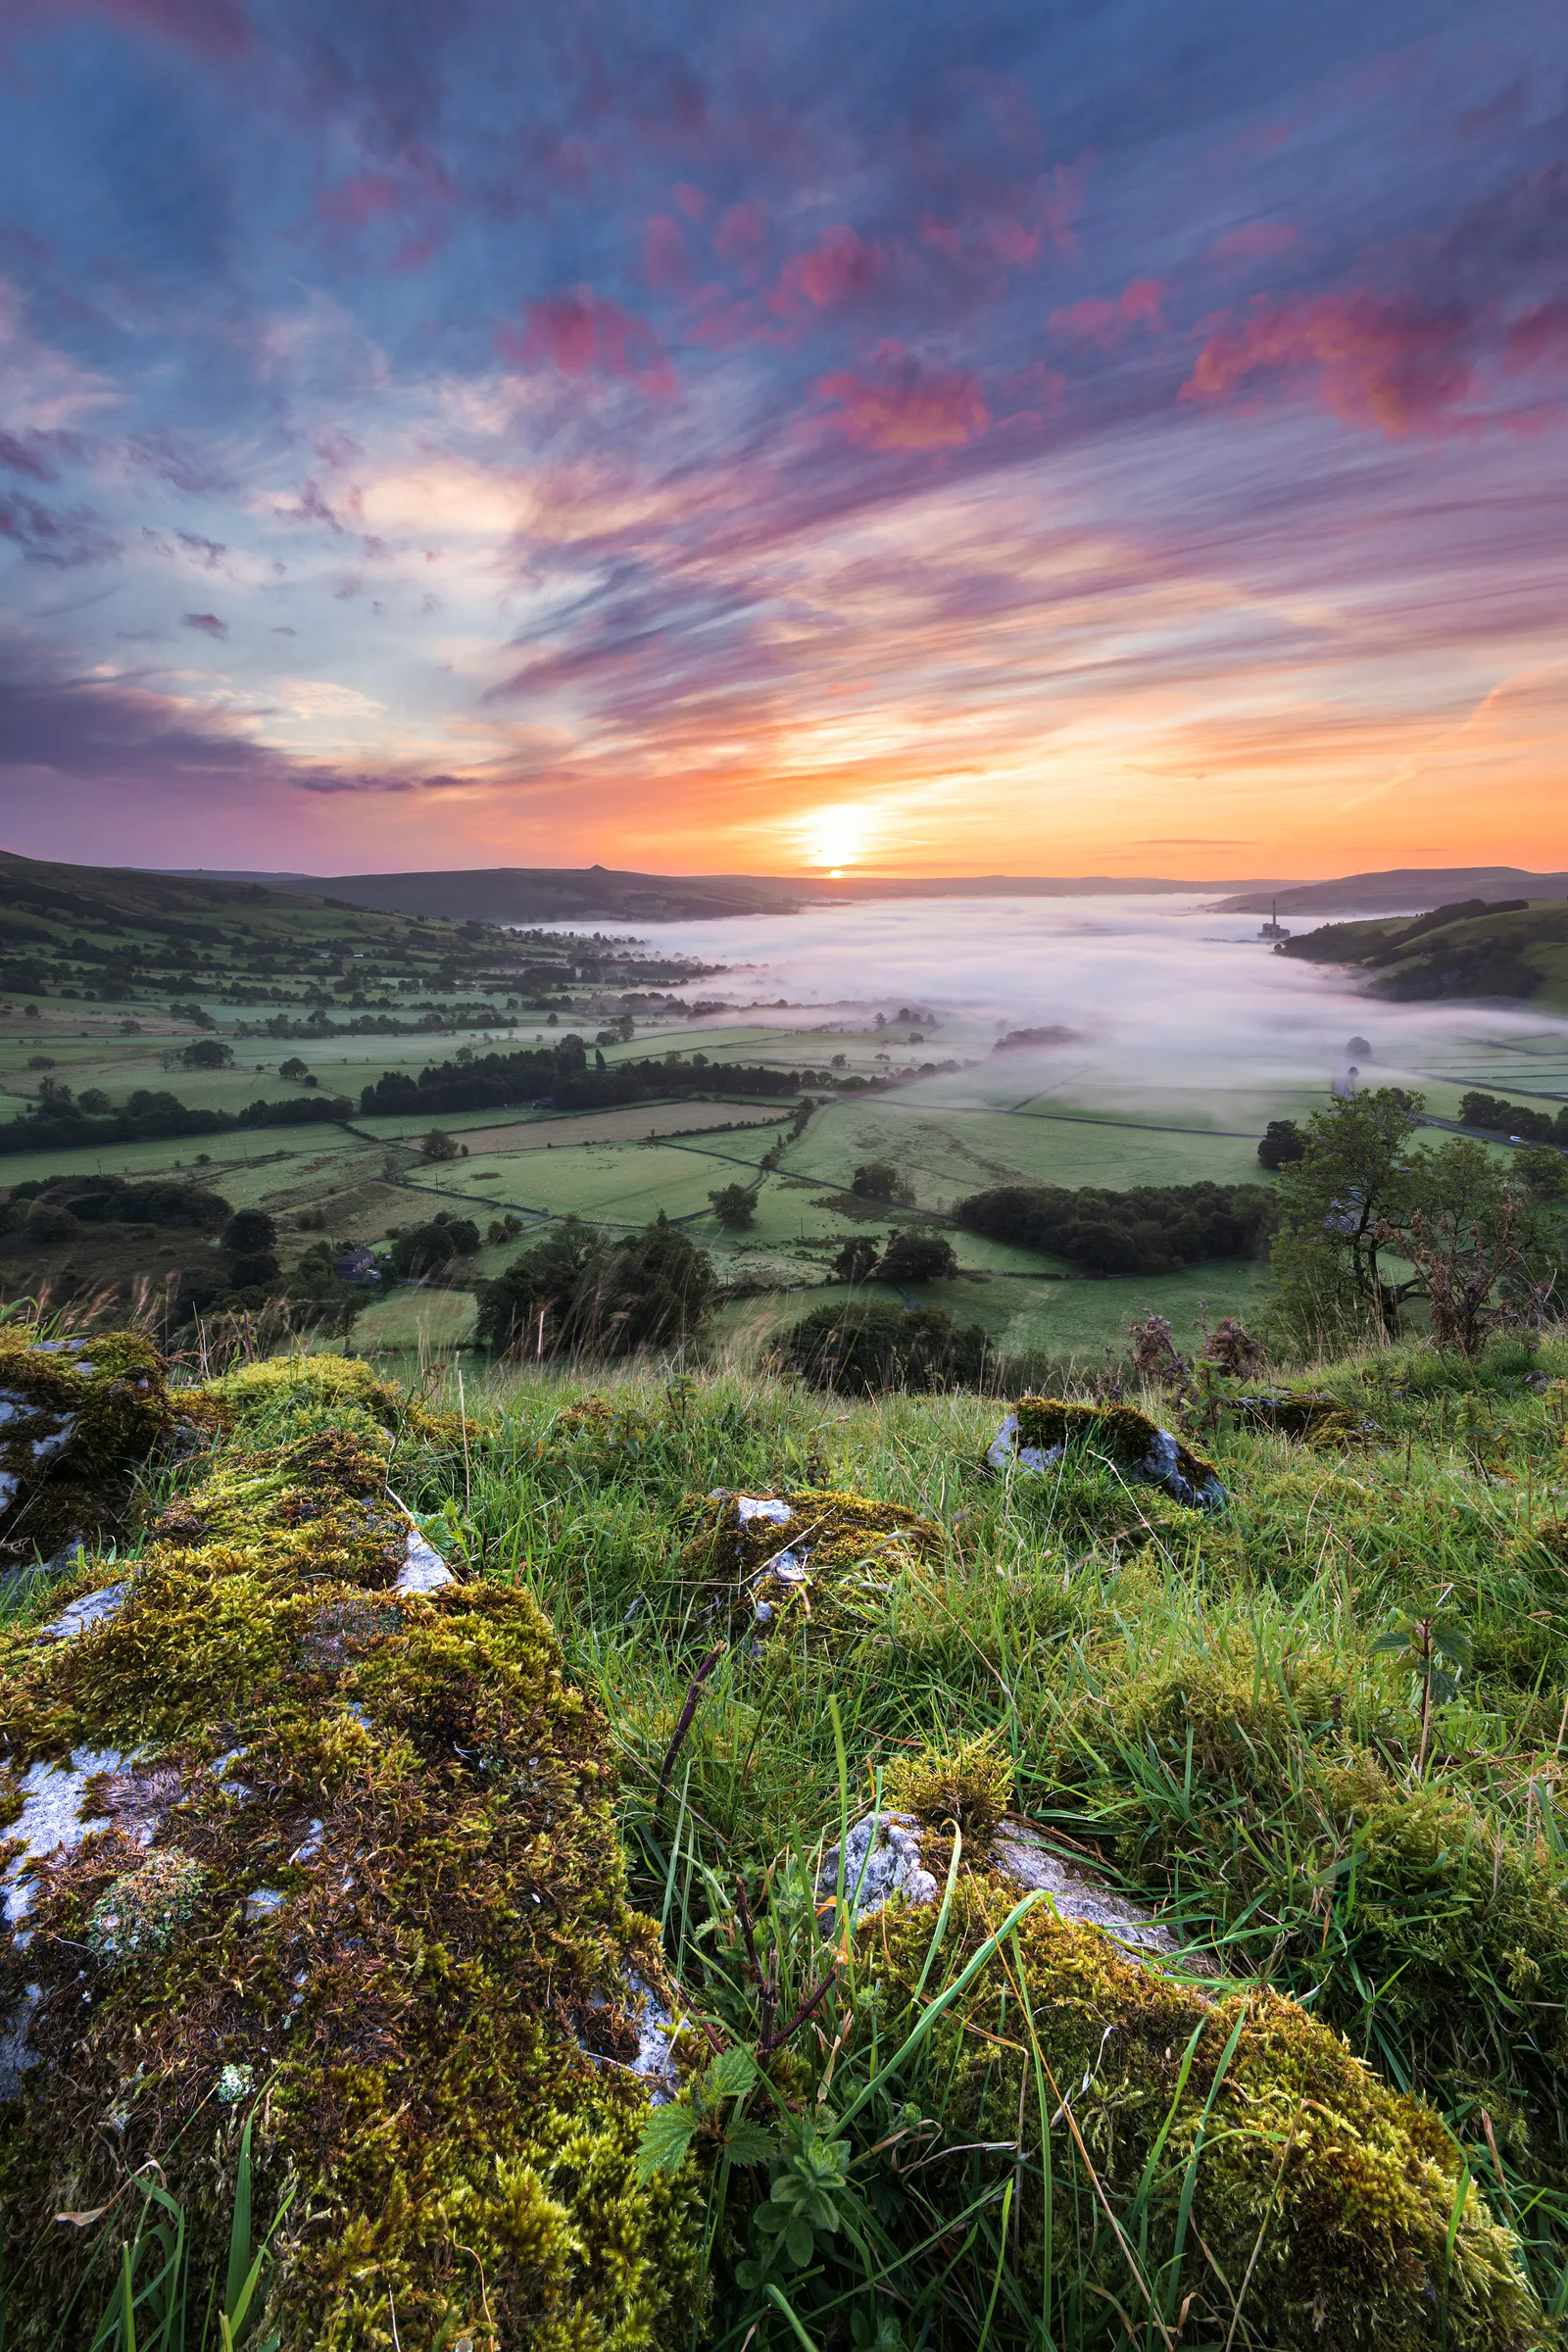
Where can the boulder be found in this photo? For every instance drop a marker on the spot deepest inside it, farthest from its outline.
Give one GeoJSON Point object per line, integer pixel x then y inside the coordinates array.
{"type": "Point", "coordinates": [1041, 1431]}
{"type": "Point", "coordinates": [306, 1831]}
{"type": "Point", "coordinates": [77, 1418]}
{"type": "Point", "coordinates": [1256, 2147]}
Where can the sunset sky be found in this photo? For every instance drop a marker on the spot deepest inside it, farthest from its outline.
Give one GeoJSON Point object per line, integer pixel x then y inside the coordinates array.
{"type": "Point", "coordinates": [1122, 438]}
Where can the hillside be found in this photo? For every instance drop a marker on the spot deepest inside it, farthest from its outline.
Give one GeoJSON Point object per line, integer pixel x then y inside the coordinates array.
{"type": "Point", "coordinates": [594, 894]}
{"type": "Point", "coordinates": [1499, 949]}
{"type": "Point", "coordinates": [1208, 1955]}
{"type": "Point", "coordinates": [1406, 889]}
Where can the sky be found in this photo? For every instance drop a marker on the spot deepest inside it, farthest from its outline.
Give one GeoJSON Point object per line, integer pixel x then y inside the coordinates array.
{"type": "Point", "coordinates": [1043, 440]}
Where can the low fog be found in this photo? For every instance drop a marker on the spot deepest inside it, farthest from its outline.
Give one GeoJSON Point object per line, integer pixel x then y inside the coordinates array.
{"type": "Point", "coordinates": [1165, 995]}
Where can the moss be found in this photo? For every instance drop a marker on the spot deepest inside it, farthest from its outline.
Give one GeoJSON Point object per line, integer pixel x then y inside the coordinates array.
{"type": "Point", "coordinates": [1120, 1435]}
{"type": "Point", "coordinates": [603, 1433]}
{"type": "Point", "coordinates": [968, 1787]}
{"type": "Point", "coordinates": [79, 1417]}
{"type": "Point", "coordinates": [1335, 2194]}
{"type": "Point", "coordinates": [144, 1910]}
{"type": "Point", "coordinates": [831, 1545]}
{"type": "Point", "coordinates": [433, 1996]}
{"type": "Point", "coordinates": [1311, 1415]}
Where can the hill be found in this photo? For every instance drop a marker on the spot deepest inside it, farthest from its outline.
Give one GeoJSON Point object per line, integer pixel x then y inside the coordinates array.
{"type": "Point", "coordinates": [520, 893]}
{"type": "Point", "coordinates": [1404, 889]}
{"type": "Point", "coordinates": [1480, 949]}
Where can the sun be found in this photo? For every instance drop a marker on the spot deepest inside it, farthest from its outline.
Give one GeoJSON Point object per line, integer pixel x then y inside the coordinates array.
{"type": "Point", "coordinates": [834, 837]}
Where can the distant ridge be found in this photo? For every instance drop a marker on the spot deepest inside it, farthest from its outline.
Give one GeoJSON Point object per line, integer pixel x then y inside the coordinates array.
{"type": "Point", "coordinates": [523, 893]}
{"type": "Point", "coordinates": [1403, 889]}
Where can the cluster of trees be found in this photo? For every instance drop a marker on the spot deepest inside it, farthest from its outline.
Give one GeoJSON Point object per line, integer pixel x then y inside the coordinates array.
{"type": "Point", "coordinates": [1152, 1229]}
{"type": "Point", "coordinates": [59, 1121]}
{"type": "Point", "coordinates": [917, 1256]}
{"type": "Point", "coordinates": [52, 1207]}
{"type": "Point", "coordinates": [1370, 1220]}
{"type": "Point", "coordinates": [562, 1075]}
{"type": "Point", "coordinates": [419, 1249]}
{"type": "Point", "coordinates": [579, 1292]}
{"type": "Point", "coordinates": [1501, 1117]}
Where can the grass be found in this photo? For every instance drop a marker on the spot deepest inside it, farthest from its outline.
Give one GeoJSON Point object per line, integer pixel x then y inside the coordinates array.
{"type": "Point", "coordinates": [1203, 1708]}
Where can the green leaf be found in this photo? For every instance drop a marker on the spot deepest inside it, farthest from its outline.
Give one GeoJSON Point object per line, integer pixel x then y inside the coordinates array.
{"type": "Point", "coordinates": [772, 2219]}
{"type": "Point", "coordinates": [748, 2143]}
{"type": "Point", "coordinates": [732, 2073]}
{"type": "Point", "coordinates": [798, 2240]}
{"type": "Point", "coordinates": [665, 2137]}
{"type": "Point", "coordinates": [1390, 1641]}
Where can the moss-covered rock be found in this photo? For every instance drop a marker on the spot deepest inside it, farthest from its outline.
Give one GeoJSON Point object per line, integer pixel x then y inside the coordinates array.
{"type": "Point", "coordinates": [77, 1418]}
{"type": "Point", "coordinates": [344, 1842]}
{"type": "Point", "coordinates": [1043, 1431]}
{"type": "Point", "coordinates": [1340, 2204]}
{"type": "Point", "coordinates": [1313, 1415]}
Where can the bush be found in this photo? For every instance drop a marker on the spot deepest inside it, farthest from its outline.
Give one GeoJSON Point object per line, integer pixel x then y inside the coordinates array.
{"type": "Point", "coordinates": [871, 1349]}
{"type": "Point", "coordinates": [208, 1054]}
{"type": "Point", "coordinates": [579, 1292]}
{"type": "Point", "coordinates": [247, 1231]}
{"type": "Point", "coordinates": [438, 1145]}
{"type": "Point", "coordinates": [857, 1261]}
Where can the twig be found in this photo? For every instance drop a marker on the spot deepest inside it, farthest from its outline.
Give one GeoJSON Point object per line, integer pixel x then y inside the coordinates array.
{"type": "Point", "coordinates": [778, 2041]}
{"type": "Point", "coordinates": [766, 1989]}
{"type": "Point", "coordinates": [684, 1724]}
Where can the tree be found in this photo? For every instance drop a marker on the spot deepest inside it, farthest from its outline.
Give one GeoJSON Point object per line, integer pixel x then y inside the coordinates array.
{"type": "Point", "coordinates": [1340, 1206]}
{"type": "Point", "coordinates": [248, 1237]}
{"type": "Point", "coordinates": [94, 1101]}
{"type": "Point", "coordinates": [857, 1260]}
{"type": "Point", "coordinates": [294, 1070]}
{"type": "Point", "coordinates": [879, 1180]}
{"type": "Point", "coordinates": [735, 1207]}
{"type": "Point", "coordinates": [420, 1250]}
{"type": "Point", "coordinates": [208, 1054]}
{"type": "Point", "coordinates": [1283, 1143]}
{"type": "Point", "coordinates": [917, 1257]}
{"type": "Point", "coordinates": [438, 1145]}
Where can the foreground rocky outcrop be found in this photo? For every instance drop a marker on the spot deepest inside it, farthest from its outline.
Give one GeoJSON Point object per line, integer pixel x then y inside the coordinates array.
{"type": "Point", "coordinates": [1041, 1431]}
{"type": "Point", "coordinates": [294, 1822]}
{"type": "Point", "coordinates": [1267, 2153]}
{"type": "Point", "coordinates": [77, 1419]}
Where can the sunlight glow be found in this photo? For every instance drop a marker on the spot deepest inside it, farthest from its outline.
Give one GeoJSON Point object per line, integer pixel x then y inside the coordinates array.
{"type": "Point", "coordinates": [835, 837]}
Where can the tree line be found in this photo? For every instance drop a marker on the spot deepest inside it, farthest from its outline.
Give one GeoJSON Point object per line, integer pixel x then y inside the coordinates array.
{"type": "Point", "coordinates": [1149, 1229]}
{"type": "Point", "coordinates": [563, 1078]}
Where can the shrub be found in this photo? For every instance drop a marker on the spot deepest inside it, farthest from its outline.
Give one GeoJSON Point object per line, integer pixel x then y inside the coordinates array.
{"type": "Point", "coordinates": [438, 1145]}
{"type": "Point", "coordinates": [879, 1180]}
{"type": "Point", "coordinates": [735, 1207]}
{"type": "Point", "coordinates": [578, 1291]}
{"type": "Point", "coordinates": [871, 1347]}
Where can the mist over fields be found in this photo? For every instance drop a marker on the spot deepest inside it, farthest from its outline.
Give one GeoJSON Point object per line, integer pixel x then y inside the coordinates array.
{"type": "Point", "coordinates": [1166, 997]}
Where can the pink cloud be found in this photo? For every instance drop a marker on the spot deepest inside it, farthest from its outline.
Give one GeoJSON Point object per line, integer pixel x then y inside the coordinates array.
{"type": "Point", "coordinates": [416, 196]}
{"type": "Point", "coordinates": [907, 405]}
{"type": "Point", "coordinates": [741, 231]}
{"type": "Point", "coordinates": [1374, 360]}
{"type": "Point", "coordinates": [667, 264]}
{"type": "Point", "coordinates": [1107, 323]}
{"type": "Point", "coordinates": [838, 266]}
{"type": "Point", "coordinates": [356, 202]}
{"type": "Point", "coordinates": [215, 28]}
{"type": "Point", "coordinates": [1253, 239]}
{"type": "Point", "coordinates": [1536, 335]}
{"type": "Point", "coordinates": [691, 202]}
{"type": "Point", "coordinates": [583, 333]}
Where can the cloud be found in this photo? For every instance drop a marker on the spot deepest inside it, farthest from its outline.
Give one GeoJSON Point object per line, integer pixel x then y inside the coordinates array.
{"type": "Point", "coordinates": [583, 333]}
{"type": "Point", "coordinates": [1254, 240]}
{"type": "Point", "coordinates": [64, 538]}
{"type": "Point", "coordinates": [207, 623]}
{"type": "Point", "coordinates": [211, 28]}
{"type": "Point", "coordinates": [667, 264]}
{"type": "Point", "coordinates": [1108, 323]}
{"type": "Point", "coordinates": [1371, 358]}
{"type": "Point", "coordinates": [839, 267]}
{"type": "Point", "coordinates": [907, 405]}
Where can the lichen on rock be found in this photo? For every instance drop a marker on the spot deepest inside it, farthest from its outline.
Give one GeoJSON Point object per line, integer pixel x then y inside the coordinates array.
{"type": "Point", "coordinates": [1043, 1431]}
{"type": "Point", "coordinates": [344, 1846]}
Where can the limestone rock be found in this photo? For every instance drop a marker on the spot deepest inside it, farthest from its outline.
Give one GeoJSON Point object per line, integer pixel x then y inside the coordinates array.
{"type": "Point", "coordinates": [77, 1416]}
{"type": "Point", "coordinates": [1041, 1431]}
